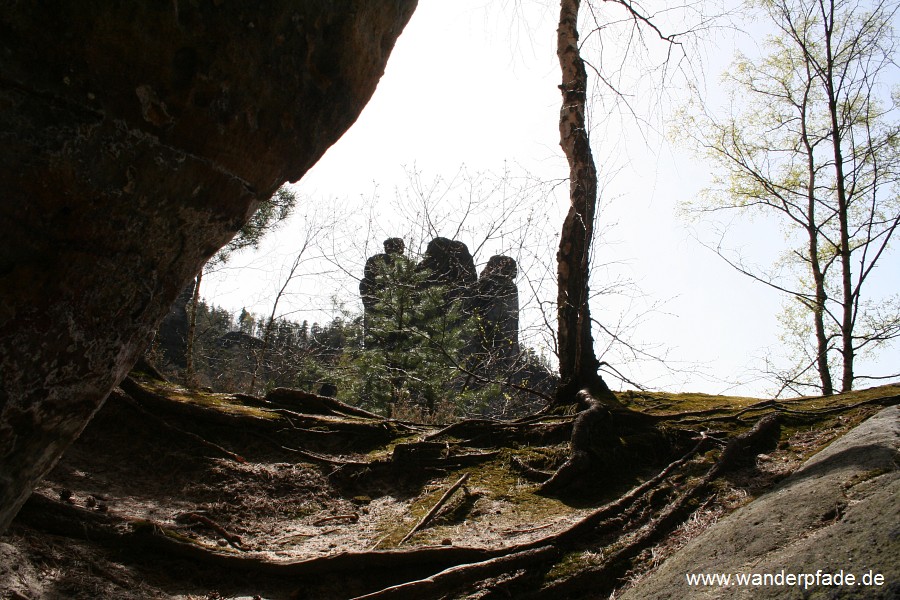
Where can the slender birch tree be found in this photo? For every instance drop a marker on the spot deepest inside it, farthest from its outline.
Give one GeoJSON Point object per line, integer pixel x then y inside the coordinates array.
{"type": "Point", "coordinates": [816, 146]}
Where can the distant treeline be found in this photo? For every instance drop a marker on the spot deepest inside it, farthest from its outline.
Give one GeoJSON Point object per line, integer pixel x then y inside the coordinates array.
{"type": "Point", "coordinates": [243, 352]}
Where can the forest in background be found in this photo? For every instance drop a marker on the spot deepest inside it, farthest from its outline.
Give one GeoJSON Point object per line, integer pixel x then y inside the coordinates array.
{"type": "Point", "coordinates": [230, 355]}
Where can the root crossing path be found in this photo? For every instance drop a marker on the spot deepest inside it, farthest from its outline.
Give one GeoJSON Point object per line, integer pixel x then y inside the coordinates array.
{"type": "Point", "coordinates": [172, 493]}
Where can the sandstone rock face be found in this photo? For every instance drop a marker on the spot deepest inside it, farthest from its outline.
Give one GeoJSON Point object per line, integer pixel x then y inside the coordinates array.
{"type": "Point", "coordinates": [496, 304]}
{"type": "Point", "coordinates": [492, 298]}
{"type": "Point", "coordinates": [838, 512]}
{"type": "Point", "coordinates": [449, 263]}
{"type": "Point", "coordinates": [135, 139]}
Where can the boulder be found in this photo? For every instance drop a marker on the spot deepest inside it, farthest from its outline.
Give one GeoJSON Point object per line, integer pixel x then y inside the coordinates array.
{"type": "Point", "coordinates": [495, 302]}
{"type": "Point", "coordinates": [839, 512]}
{"type": "Point", "coordinates": [449, 263]}
{"type": "Point", "coordinates": [135, 139]}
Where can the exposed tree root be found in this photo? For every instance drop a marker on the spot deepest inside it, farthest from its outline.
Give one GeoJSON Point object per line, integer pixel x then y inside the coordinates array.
{"type": "Point", "coordinates": [163, 423]}
{"type": "Point", "coordinates": [601, 580]}
{"type": "Point", "coordinates": [454, 461]}
{"type": "Point", "coordinates": [543, 550]}
{"type": "Point", "coordinates": [598, 522]}
{"type": "Point", "coordinates": [596, 438]}
{"type": "Point", "coordinates": [352, 518]}
{"type": "Point", "coordinates": [616, 507]}
{"type": "Point", "coordinates": [763, 436]}
{"type": "Point", "coordinates": [465, 564]}
{"type": "Point", "coordinates": [530, 472]}
{"type": "Point", "coordinates": [602, 439]}
{"type": "Point", "coordinates": [590, 425]}
{"type": "Point", "coordinates": [61, 518]}
{"type": "Point", "coordinates": [492, 433]}
{"type": "Point", "coordinates": [377, 430]}
{"type": "Point", "coordinates": [313, 457]}
{"type": "Point", "coordinates": [461, 576]}
{"type": "Point", "coordinates": [819, 413]}
{"type": "Point", "coordinates": [313, 404]}
{"type": "Point", "coordinates": [233, 540]}
{"type": "Point", "coordinates": [688, 418]}
{"type": "Point", "coordinates": [290, 425]}
{"type": "Point", "coordinates": [173, 411]}
{"type": "Point", "coordinates": [145, 367]}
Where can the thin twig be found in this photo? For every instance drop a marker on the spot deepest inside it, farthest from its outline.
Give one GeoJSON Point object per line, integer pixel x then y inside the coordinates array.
{"type": "Point", "coordinates": [459, 576]}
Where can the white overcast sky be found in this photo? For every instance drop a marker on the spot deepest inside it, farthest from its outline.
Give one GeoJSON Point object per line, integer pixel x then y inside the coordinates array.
{"type": "Point", "coordinates": [471, 83]}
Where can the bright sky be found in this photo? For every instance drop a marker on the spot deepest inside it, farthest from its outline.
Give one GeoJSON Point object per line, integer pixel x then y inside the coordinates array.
{"type": "Point", "coordinates": [471, 84]}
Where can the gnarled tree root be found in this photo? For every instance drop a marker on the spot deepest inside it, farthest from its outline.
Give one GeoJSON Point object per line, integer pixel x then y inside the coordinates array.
{"type": "Point", "coordinates": [597, 422]}
{"type": "Point", "coordinates": [460, 576]}
{"type": "Point", "coordinates": [437, 571]}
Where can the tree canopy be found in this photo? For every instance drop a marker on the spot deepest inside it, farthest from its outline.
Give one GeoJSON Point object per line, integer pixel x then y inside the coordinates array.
{"type": "Point", "coordinates": [813, 142]}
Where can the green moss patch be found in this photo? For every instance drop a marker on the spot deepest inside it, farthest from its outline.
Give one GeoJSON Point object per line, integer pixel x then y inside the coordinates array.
{"type": "Point", "coordinates": [222, 402]}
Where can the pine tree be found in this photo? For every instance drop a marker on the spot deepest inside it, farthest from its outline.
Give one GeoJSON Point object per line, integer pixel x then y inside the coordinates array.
{"type": "Point", "coordinates": [412, 342]}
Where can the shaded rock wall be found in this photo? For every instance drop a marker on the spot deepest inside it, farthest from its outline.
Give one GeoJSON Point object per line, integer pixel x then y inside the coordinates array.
{"type": "Point", "coordinates": [135, 139]}
{"type": "Point", "coordinates": [496, 304]}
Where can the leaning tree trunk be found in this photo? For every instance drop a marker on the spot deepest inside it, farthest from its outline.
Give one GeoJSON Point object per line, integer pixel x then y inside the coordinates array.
{"type": "Point", "coordinates": [577, 362]}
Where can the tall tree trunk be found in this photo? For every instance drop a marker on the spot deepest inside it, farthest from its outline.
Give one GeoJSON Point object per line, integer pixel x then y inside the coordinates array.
{"type": "Point", "coordinates": [190, 375]}
{"type": "Point", "coordinates": [814, 263]}
{"type": "Point", "coordinates": [847, 316]}
{"type": "Point", "coordinates": [819, 311]}
{"type": "Point", "coordinates": [577, 362]}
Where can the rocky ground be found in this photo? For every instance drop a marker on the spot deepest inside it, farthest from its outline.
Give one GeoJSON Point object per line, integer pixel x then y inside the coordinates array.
{"type": "Point", "coordinates": [177, 494]}
{"type": "Point", "coordinates": [839, 512]}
